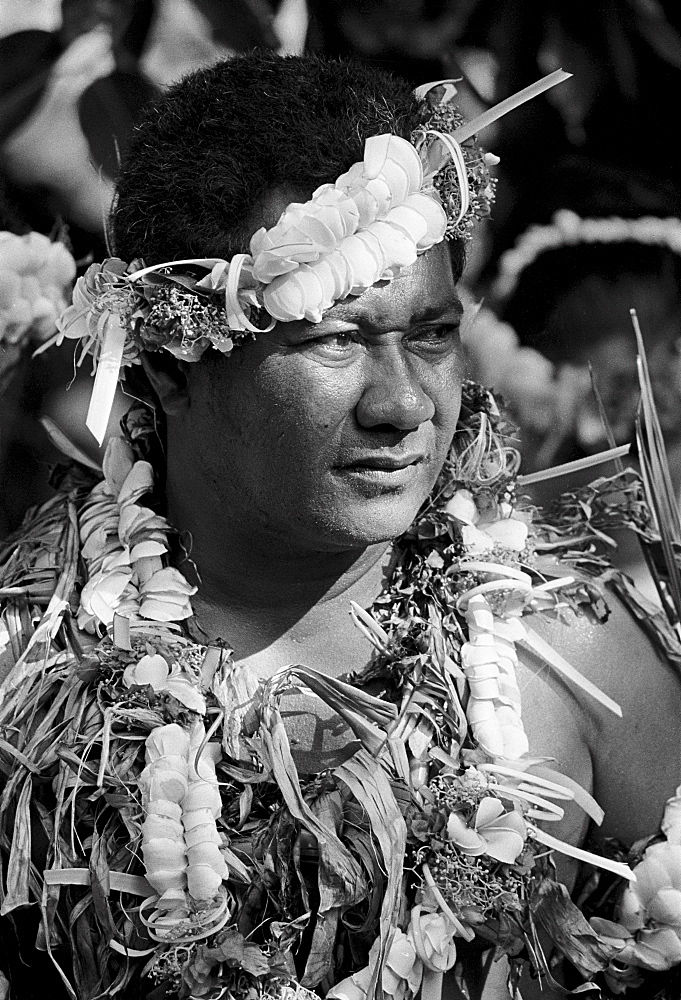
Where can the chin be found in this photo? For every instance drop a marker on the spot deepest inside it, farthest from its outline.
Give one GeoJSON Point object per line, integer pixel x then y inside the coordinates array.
{"type": "Point", "coordinates": [371, 523]}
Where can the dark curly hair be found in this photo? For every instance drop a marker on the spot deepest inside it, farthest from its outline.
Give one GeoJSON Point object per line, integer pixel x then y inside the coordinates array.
{"type": "Point", "coordinates": [207, 154]}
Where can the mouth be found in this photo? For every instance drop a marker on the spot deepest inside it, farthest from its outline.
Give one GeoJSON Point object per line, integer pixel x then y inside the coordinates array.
{"type": "Point", "coordinates": [384, 470]}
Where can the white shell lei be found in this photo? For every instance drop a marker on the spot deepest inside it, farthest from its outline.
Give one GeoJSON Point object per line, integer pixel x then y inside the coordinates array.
{"type": "Point", "coordinates": [488, 660]}
{"type": "Point", "coordinates": [180, 839]}
{"type": "Point", "coordinates": [122, 545]}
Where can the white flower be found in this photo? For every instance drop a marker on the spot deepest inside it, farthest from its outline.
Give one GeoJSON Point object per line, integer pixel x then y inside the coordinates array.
{"type": "Point", "coordinates": [501, 835]}
{"type": "Point", "coordinates": [481, 533]}
{"type": "Point", "coordinates": [154, 671]}
{"type": "Point", "coordinates": [401, 976]}
{"type": "Point", "coordinates": [35, 279]}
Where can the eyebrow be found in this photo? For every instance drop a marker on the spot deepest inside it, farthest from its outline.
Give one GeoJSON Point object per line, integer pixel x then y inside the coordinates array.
{"type": "Point", "coordinates": [349, 313]}
{"type": "Point", "coordinates": [438, 309]}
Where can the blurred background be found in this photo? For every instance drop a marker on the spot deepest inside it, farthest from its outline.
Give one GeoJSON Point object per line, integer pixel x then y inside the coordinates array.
{"type": "Point", "coordinates": [587, 222]}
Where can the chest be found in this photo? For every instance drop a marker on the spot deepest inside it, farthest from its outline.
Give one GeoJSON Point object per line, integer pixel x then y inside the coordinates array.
{"type": "Point", "coordinates": [550, 713]}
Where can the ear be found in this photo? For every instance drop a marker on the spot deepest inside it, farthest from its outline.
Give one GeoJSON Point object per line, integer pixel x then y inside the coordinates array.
{"type": "Point", "coordinates": [168, 379]}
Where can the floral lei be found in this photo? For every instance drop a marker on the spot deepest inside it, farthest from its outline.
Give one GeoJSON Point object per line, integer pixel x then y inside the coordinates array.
{"type": "Point", "coordinates": [183, 843]}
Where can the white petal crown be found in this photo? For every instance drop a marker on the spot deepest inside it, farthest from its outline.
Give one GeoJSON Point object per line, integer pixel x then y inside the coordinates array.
{"type": "Point", "coordinates": [368, 226]}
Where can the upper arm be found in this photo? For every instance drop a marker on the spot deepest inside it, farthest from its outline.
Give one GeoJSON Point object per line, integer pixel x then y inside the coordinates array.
{"type": "Point", "coordinates": [636, 760]}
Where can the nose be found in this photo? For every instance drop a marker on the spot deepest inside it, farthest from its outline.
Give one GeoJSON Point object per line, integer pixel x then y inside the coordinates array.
{"type": "Point", "coordinates": [393, 394]}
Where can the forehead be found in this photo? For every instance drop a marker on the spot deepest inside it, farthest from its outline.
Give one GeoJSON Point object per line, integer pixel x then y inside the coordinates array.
{"type": "Point", "coordinates": [425, 290]}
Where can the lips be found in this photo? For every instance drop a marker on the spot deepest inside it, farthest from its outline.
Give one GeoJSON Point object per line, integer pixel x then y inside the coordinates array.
{"type": "Point", "coordinates": [384, 463]}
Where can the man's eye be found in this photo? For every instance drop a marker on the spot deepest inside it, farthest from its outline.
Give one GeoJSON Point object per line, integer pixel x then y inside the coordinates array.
{"type": "Point", "coordinates": [441, 337]}
{"type": "Point", "coordinates": [335, 343]}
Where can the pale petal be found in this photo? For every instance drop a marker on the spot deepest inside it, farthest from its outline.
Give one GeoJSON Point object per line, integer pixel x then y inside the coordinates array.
{"type": "Point", "coordinates": [117, 463]}
{"type": "Point", "coordinates": [319, 232]}
{"type": "Point", "coordinates": [468, 840]}
{"type": "Point", "coordinates": [665, 907]}
{"type": "Point", "coordinates": [399, 250]}
{"type": "Point", "coordinates": [515, 742]}
{"type": "Point", "coordinates": [651, 876]}
{"type": "Point", "coordinates": [462, 506]}
{"type": "Point", "coordinates": [203, 881]}
{"type": "Point", "coordinates": [488, 810]}
{"type": "Point", "coordinates": [164, 611]}
{"type": "Point", "coordinates": [186, 694]}
{"type": "Point", "coordinates": [509, 533]}
{"type": "Point", "coordinates": [140, 480]}
{"type": "Point", "coordinates": [658, 949]}
{"type": "Point", "coordinates": [327, 279]}
{"type": "Point", "coordinates": [339, 268]}
{"type": "Point", "coordinates": [409, 160]}
{"type": "Point", "coordinates": [361, 263]}
{"type": "Point", "coordinates": [373, 244]}
{"type": "Point", "coordinates": [168, 579]}
{"type": "Point", "coordinates": [164, 808]}
{"type": "Point", "coordinates": [163, 854]}
{"type": "Point", "coordinates": [376, 150]}
{"type": "Point", "coordinates": [380, 191]}
{"type": "Point", "coordinates": [435, 217]}
{"type": "Point", "coordinates": [630, 910]}
{"type": "Point", "coordinates": [269, 265]}
{"type": "Point", "coordinates": [668, 855]}
{"type": "Point", "coordinates": [488, 735]}
{"type": "Point", "coordinates": [161, 828]}
{"type": "Point", "coordinates": [402, 954]}
{"type": "Point", "coordinates": [205, 833]}
{"type": "Point", "coordinates": [671, 821]}
{"type": "Point", "coordinates": [149, 548]}
{"type": "Point", "coordinates": [202, 795]}
{"type": "Point", "coordinates": [151, 670]}
{"type": "Point", "coordinates": [476, 542]}
{"type": "Point", "coordinates": [168, 879]}
{"type": "Point", "coordinates": [367, 206]}
{"type": "Point", "coordinates": [284, 299]}
{"type": "Point", "coordinates": [409, 220]}
{"type": "Point", "coordinates": [397, 179]}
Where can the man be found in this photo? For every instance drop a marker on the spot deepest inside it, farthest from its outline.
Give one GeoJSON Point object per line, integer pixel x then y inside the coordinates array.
{"type": "Point", "coordinates": [290, 468]}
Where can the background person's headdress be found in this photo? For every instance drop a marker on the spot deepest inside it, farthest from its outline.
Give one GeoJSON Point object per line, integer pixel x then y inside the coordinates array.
{"type": "Point", "coordinates": [371, 224]}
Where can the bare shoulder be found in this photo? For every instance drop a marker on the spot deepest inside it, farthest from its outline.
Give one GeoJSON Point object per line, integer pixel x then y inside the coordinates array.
{"type": "Point", "coordinates": [636, 759]}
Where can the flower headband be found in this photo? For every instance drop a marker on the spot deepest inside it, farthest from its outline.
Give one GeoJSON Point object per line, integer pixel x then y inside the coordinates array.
{"type": "Point", "coordinates": [371, 224]}
{"type": "Point", "coordinates": [568, 229]}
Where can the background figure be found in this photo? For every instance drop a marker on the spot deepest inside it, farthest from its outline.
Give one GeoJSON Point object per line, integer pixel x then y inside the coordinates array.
{"type": "Point", "coordinates": [564, 285]}
{"type": "Point", "coordinates": [559, 304]}
{"type": "Point", "coordinates": [74, 77]}
{"type": "Point", "coordinates": [626, 64]}
{"type": "Point", "coordinates": [566, 289]}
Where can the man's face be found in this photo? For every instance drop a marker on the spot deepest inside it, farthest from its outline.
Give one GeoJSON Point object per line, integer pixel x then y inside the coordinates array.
{"type": "Point", "coordinates": [329, 436]}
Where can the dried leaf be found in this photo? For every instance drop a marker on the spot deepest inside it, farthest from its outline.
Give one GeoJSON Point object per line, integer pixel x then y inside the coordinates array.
{"type": "Point", "coordinates": [569, 930]}
{"type": "Point", "coordinates": [369, 784]}
{"type": "Point", "coordinates": [19, 865]}
{"type": "Point", "coordinates": [234, 950]}
{"type": "Point", "coordinates": [328, 809]}
{"type": "Point", "coordinates": [351, 884]}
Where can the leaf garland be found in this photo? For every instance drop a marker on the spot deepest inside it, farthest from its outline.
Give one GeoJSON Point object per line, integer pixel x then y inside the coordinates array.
{"type": "Point", "coordinates": [72, 737]}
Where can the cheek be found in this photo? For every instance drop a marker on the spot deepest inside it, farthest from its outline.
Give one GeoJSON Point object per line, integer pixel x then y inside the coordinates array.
{"type": "Point", "coordinates": [445, 392]}
{"type": "Point", "coordinates": [305, 401]}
